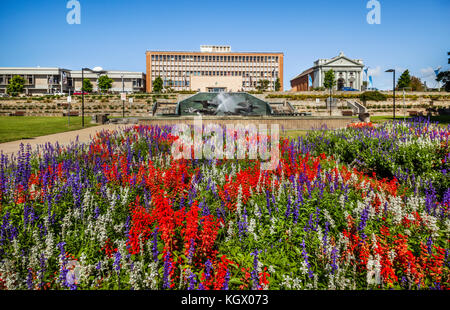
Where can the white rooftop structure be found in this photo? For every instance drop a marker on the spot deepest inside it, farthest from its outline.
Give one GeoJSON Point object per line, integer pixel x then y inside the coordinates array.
{"type": "Point", "coordinates": [215, 48]}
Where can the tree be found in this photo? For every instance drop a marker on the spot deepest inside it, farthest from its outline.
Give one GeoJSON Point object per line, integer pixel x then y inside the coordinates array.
{"type": "Point", "coordinates": [444, 77]}
{"type": "Point", "coordinates": [15, 85]}
{"type": "Point", "coordinates": [158, 85]}
{"type": "Point", "coordinates": [329, 82]}
{"type": "Point", "coordinates": [364, 85]}
{"type": "Point", "coordinates": [263, 85]}
{"type": "Point", "coordinates": [416, 84]}
{"type": "Point", "coordinates": [404, 80]}
{"type": "Point", "coordinates": [87, 86]}
{"type": "Point", "coordinates": [277, 84]}
{"type": "Point", "coordinates": [169, 86]}
{"type": "Point", "coordinates": [105, 83]}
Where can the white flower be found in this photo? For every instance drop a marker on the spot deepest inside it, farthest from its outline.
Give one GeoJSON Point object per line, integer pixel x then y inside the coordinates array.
{"type": "Point", "coordinates": [273, 221]}
{"type": "Point", "coordinates": [230, 231]}
{"type": "Point", "coordinates": [430, 223]}
{"type": "Point", "coordinates": [136, 275]}
{"type": "Point", "coordinates": [151, 279]}
{"type": "Point", "coordinates": [252, 228]}
{"type": "Point", "coordinates": [49, 244]}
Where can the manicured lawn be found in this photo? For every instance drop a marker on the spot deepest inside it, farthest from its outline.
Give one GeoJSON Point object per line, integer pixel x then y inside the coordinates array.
{"type": "Point", "coordinates": [25, 127]}
{"type": "Point", "coordinates": [293, 133]}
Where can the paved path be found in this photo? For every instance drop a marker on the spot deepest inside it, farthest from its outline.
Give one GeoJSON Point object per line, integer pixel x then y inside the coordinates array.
{"type": "Point", "coordinates": [63, 138]}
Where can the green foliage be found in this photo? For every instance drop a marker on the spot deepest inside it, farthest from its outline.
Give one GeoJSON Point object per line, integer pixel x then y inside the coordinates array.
{"type": "Point", "coordinates": [329, 80]}
{"type": "Point", "coordinates": [444, 77]}
{"type": "Point", "coordinates": [404, 80]}
{"type": "Point", "coordinates": [15, 85]}
{"type": "Point", "coordinates": [372, 96]}
{"type": "Point", "coordinates": [384, 156]}
{"type": "Point", "coordinates": [416, 84]}
{"type": "Point", "coordinates": [158, 85]}
{"type": "Point", "coordinates": [277, 84]}
{"type": "Point", "coordinates": [105, 83]}
{"type": "Point", "coordinates": [263, 85]}
{"type": "Point", "coordinates": [168, 87]}
{"type": "Point", "coordinates": [87, 86]}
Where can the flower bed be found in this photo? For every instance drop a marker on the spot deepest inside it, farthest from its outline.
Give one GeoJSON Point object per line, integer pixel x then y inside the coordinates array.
{"type": "Point", "coordinates": [120, 213]}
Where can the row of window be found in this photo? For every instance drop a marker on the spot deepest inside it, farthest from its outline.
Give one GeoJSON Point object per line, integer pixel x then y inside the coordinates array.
{"type": "Point", "coordinates": [216, 73]}
{"type": "Point", "coordinates": [5, 79]}
{"type": "Point", "coordinates": [216, 64]}
{"type": "Point", "coordinates": [52, 80]}
{"type": "Point", "coordinates": [203, 58]}
{"type": "Point", "coordinates": [176, 83]}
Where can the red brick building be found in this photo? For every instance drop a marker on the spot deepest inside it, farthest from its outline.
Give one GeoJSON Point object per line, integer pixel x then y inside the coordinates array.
{"type": "Point", "coordinates": [300, 82]}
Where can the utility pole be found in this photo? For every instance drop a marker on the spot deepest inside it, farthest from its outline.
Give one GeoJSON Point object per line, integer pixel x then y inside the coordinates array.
{"type": "Point", "coordinates": [82, 97]}
{"type": "Point", "coordinates": [123, 100]}
{"type": "Point", "coordinates": [393, 88]}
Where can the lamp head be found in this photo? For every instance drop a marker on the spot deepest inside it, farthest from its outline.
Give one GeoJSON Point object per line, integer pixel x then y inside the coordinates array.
{"type": "Point", "coordinates": [390, 70]}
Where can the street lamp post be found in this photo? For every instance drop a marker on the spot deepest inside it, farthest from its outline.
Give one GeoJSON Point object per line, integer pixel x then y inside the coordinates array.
{"type": "Point", "coordinates": [97, 70]}
{"type": "Point", "coordinates": [82, 96]}
{"type": "Point", "coordinates": [393, 88]}
{"type": "Point", "coordinates": [123, 101]}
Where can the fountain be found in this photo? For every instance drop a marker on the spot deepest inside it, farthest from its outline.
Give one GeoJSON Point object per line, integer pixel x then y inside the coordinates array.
{"type": "Point", "coordinates": [223, 104]}
{"type": "Point", "coordinates": [240, 108]}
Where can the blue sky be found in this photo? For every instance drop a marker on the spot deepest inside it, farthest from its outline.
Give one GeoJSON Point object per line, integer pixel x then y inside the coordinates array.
{"type": "Point", "coordinates": [115, 34]}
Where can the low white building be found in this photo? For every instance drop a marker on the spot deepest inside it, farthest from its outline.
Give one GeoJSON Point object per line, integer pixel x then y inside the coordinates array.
{"type": "Point", "coordinates": [37, 80]}
{"type": "Point", "coordinates": [348, 73]}
{"type": "Point", "coordinates": [128, 81]}
{"type": "Point", "coordinates": [57, 80]}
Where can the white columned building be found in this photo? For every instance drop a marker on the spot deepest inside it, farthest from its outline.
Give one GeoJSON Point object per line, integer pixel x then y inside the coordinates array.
{"type": "Point", "coordinates": [348, 72]}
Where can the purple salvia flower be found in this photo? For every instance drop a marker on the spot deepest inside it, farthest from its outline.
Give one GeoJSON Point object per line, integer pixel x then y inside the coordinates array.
{"type": "Point", "coordinates": [333, 260]}
{"type": "Point", "coordinates": [227, 279]}
{"type": "Point", "coordinates": [208, 269]}
{"type": "Point", "coordinates": [254, 273]}
{"type": "Point", "coordinates": [63, 271]}
{"type": "Point", "coordinates": [191, 250]}
{"type": "Point", "coordinates": [274, 202]}
{"type": "Point", "coordinates": [166, 273]}
{"type": "Point", "coordinates": [363, 221]}
{"type": "Point", "coordinates": [42, 264]}
{"type": "Point", "coordinates": [117, 258]}
{"type": "Point", "coordinates": [305, 257]}
{"type": "Point", "coordinates": [288, 207]}
{"type": "Point", "coordinates": [192, 281]}
{"type": "Point", "coordinates": [30, 279]}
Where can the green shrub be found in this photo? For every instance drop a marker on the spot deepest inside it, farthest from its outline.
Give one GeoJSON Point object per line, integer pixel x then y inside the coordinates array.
{"type": "Point", "coordinates": [372, 96]}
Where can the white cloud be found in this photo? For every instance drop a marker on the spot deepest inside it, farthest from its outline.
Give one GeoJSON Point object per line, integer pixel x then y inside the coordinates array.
{"type": "Point", "coordinates": [375, 71]}
{"type": "Point", "coordinates": [427, 75]}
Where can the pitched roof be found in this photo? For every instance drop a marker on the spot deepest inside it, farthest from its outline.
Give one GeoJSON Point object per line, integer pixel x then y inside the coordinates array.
{"type": "Point", "coordinates": [306, 72]}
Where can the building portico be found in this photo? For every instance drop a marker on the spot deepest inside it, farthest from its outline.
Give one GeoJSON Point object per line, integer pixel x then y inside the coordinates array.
{"type": "Point", "coordinates": [348, 73]}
